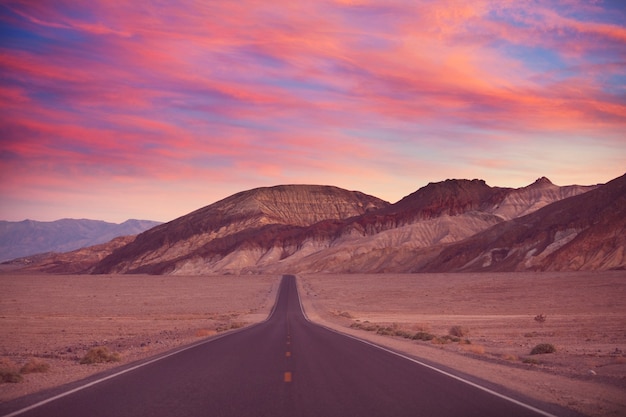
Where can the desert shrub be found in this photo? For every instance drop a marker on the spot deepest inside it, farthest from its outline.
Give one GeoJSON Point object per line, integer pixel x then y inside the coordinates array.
{"type": "Point", "coordinates": [540, 318]}
{"type": "Point", "coordinates": [10, 375]}
{"type": "Point", "coordinates": [425, 336]}
{"type": "Point", "coordinates": [458, 331]}
{"type": "Point", "coordinates": [34, 366]}
{"type": "Point", "coordinates": [99, 354]}
{"type": "Point", "coordinates": [8, 371]}
{"type": "Point", "coordinates": [403, 333]}
{"type": "Point", "coordinates": [366, 325]}
{"type": "Point", "coordinates": [444, 340]}
{"type": "Point", "coordinates": [542, 348]}
{"type": "Point", "coordinates": [386, 331]}
{"type": "Point", "coordinates": [531, 361]}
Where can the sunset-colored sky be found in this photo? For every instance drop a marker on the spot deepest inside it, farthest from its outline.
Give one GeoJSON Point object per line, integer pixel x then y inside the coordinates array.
{"type": "Point", "coordinates": [117, 110]}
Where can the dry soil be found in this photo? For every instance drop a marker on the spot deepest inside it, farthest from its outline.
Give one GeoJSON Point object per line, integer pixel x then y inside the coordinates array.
{"type": "Point", "coordinates": [57, 319]}
{"type": "Point", "coordinates": [584, 319]}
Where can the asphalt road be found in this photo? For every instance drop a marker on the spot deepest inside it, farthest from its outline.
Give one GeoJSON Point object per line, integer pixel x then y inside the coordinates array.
{"type": "Point", "coordinates": [285, 366]}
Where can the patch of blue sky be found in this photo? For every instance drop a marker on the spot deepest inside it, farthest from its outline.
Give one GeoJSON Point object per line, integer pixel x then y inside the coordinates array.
{"type": "Point", "coordinates": [537, 59]}
{"type": "Point", "coordinates": [17, 38]}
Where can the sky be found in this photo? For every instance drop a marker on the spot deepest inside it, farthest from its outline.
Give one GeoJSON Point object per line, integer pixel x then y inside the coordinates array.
{"type": "Point", "coordinates": [150, 110]}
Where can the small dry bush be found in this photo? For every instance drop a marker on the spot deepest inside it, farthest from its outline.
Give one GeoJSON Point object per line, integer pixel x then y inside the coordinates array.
{"type": "Point", "coordinates": [425, 336]}
{"type": "Point", "coordinates": [366, 325]}
{"type": "Point", "coordinates": [444, 340]}
{"type": "Point", "coordinates": [230, 326]}
{"type": "Point", "coordinates": [458, 331]}
{"type": "Point", "coordinates": [10, 375]}
{"type": "Point", "coordinates": [100, 354]}
{"type": "Point", "coordinates": [35, 366]}
{"type": "Point", "coordinates": [9, 372]}
{"type": "Point", "coordinates": [543, 348]}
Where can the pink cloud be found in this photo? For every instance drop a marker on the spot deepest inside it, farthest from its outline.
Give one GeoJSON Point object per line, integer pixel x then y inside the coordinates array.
{"type": "Point", "coordinates": [271, 91]}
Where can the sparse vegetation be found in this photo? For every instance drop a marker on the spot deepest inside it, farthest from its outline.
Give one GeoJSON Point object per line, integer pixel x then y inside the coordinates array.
{"type": "Point", "coordinates": [35, 366]}
{"type": "Point", "coordinates": [230, 326]}
{"type": "Point", "coordinates": [458, 331]}
{"type": "Point", "coordinates": [422, 335]}
{"type": "Point", "coordinates": [366, 325]}
{"type": "Point", "coordinates": [531, 361]}
{"type": "Point", "coordinates": [10, 375]}
{"type": "Point", "coordinates": [99, 354]}
{"type": "Point", "coordinates": [425, 336]}
{"type": "Point", "coordinates": [540, 318]}
{"type": "Point", "coordinates": [9, 372]}
{"type": "Point", "coordinates": [543, 348]}
{"type": "Point", "coordinates": [444, 340]}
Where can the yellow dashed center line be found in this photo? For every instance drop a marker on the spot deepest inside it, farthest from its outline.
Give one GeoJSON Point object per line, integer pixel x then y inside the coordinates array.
{"type": "Point", "coordinates": [287, 376]}
{"type": "Point", "coordinates": [287, 354]}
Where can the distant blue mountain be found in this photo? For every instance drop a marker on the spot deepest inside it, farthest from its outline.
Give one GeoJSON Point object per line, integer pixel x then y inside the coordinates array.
{"type": "Point", "coordinates": [28, 237]}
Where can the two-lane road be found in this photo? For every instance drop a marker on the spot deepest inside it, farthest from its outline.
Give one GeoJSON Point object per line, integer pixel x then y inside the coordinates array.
{"type": "Point", "coordinates": [285, 366]}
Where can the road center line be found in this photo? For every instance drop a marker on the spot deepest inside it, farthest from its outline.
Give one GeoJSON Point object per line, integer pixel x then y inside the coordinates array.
{"type": "Point", "coordinates": [287, 376]}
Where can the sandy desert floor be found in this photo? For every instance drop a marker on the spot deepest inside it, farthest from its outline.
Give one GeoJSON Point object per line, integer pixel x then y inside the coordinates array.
{"type": "Point", "coordinates": [57, 319]}
{"type": "Point", "coordinates": [585, 319]}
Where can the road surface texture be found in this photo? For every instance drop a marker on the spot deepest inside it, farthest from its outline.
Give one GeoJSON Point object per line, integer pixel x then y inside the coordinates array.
{"type": "Point", "coordinates": [285, 366]}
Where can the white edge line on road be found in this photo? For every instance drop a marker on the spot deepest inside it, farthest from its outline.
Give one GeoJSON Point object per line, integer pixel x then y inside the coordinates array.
{"type": "Point", "coordinates": [167, 355]}
{"type": "Point", "coordinates": [441, 371]}
{"type": "Point", "coordinates": [97, 381]}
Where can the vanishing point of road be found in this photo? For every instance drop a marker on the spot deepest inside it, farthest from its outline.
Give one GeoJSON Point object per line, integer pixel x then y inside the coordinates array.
{"type": "Point", "coordinates": [285, 366]}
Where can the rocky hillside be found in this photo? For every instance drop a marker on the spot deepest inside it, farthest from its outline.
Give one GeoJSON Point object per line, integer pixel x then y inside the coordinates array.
{"type": "Point", "coordinates": [209, 233]}
{"type": "Point", "coordinates": [453, 225]}
{"type": "Point", "coordinates": [584, 232]}
{"type": "Point", "coordinates": [325, 229]}
{"type": "Point", "coordinates": [28, 237]}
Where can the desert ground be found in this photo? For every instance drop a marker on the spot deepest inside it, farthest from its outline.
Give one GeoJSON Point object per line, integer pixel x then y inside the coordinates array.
{"type": "Point", "coordinates": [57, 319]}
{"type": "Point", "coordinates": [584, 319]}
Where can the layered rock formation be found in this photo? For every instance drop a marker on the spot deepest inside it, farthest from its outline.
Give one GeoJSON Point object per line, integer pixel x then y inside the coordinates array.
{"type": "Point", "coordinates": [584, 232]}
{"type": "Point", "coordinates": [453, 225]}
{"type": "Point", "coordinates": [210, 233]}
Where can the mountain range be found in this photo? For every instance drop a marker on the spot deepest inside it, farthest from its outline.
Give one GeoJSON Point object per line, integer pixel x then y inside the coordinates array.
{"type": "Point", "coordinates": [28, 237]}
{"type": "Point", "coordinates": [448, 226]}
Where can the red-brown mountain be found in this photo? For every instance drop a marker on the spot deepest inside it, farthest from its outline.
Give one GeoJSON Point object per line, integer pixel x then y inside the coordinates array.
{"type": "Point", "coordinates": [326, 229]}
{"type": "Point", "coordinates": [584, 232]}
{"type": "Point", "coordinates": [205, 236]}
